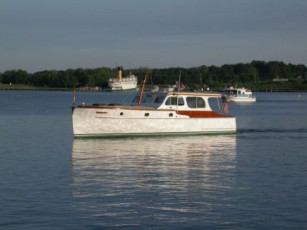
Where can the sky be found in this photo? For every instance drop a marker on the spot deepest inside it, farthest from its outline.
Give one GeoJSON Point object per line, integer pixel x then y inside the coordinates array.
{"type": "Point", "coordinates": [38, 35]}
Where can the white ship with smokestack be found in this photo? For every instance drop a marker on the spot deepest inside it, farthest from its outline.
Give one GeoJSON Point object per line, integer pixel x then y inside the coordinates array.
{"type": "Point", "coordinates": [123, 83]}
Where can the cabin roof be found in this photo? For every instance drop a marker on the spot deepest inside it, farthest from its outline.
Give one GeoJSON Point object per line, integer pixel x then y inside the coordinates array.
{"type": "Point", "coordinates": [202, 94]}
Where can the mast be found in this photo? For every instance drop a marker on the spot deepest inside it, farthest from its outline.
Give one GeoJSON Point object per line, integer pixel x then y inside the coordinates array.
{"type": "Point", "coordinates": [179, 82]}
{"type": "Point", "coordinates": [142, 90]}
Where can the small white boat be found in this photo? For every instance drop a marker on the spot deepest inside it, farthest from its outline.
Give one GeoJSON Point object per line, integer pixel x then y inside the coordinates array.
{"type": "Point", "coordinates": [153, 113]}
{"type": "Point", "coordinates": [123, 83]}
{"type": "Point", "coordinates": [239, 95]}
{"type": "Point", "coordinates": [176, 87]}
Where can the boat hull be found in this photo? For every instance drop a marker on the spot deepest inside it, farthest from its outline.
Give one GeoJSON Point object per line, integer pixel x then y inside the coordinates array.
{"type": "Point", "coordinates": [104, 122]}
{"type": "Point", "coordinates": [120, 87]}
{"type": "Point", "coordinates": [242, 99]}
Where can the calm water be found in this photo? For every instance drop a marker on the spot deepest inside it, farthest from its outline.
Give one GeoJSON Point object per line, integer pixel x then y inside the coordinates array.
{"type": "Point", "coordinates": [256, 179]}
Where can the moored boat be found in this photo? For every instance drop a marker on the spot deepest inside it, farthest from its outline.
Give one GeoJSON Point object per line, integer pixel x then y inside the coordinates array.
{"type": "Point", "coordinates": [153, 113]}
{"type": "Point", "coordinates": [239, 94]}
{"type": "Point", "coordinates": [122, 83]}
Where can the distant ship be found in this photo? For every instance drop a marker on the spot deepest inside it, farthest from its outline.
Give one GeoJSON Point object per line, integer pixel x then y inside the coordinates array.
{"type": "Point", "coordinates": [123, 83]}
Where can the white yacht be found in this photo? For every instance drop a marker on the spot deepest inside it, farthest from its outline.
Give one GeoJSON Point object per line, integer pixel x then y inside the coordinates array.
{"type": "Point", "coordinates": [153, 113]}
{"type": "Point", "coordinates": [239, 94]}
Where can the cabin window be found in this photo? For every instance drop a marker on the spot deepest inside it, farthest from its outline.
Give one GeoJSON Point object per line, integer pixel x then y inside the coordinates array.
{"type": "Point", "coordinates": [174, 101]}
{"type": "Point", "coordinates": [159, 99]}
{"type": "Point", "coordinates": [147, 99]}
{"type": "Point", "coordinates": [196, 102]}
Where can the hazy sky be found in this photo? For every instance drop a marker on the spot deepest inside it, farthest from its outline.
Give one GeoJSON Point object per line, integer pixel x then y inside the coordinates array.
{"type": "Point", "coordinates": [60, 34]}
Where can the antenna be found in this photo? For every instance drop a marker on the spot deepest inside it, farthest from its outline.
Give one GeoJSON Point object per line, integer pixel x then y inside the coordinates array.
{"type": "Point", "coordinates": [74, 94]}
{"type": "Point", "coordinates": [178, 88]}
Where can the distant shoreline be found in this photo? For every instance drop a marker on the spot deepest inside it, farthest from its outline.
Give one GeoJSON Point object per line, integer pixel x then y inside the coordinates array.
{"type": "Point", "coordinates": [28, 87]}
{"type": "Point", "coordinates": [7, 87]}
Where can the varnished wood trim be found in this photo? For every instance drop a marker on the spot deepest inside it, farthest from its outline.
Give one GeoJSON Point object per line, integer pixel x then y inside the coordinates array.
{"type": "Point", "coordinates": [201, 114]}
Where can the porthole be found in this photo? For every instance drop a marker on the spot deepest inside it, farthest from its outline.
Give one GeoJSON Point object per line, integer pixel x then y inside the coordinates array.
{"type": "Point", "coordinates": [146, 114]}
{"type": "Point", "coordinates": [121, 114]}
{"type": "Point", "coordinates": [171, 115]}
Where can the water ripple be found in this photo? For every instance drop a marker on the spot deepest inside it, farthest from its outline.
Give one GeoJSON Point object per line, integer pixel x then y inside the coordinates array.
{"type": "Point", "coordinates": [156, 179]}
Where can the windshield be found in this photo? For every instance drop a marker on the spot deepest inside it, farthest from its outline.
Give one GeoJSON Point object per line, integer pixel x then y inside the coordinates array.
{"type": "Point", "coordinates": [150, 98]}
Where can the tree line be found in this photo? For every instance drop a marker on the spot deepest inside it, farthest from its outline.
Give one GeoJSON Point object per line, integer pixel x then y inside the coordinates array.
{"type": "Point", "coordinates": [250, 74]}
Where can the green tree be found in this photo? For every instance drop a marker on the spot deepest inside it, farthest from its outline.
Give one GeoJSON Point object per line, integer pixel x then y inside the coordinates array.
{"type": "Point", "coordinates": [15, 77]}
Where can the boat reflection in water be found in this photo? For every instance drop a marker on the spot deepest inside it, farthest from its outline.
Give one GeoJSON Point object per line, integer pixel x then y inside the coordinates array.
{"type": "Point", "coordinates": [150, 182]}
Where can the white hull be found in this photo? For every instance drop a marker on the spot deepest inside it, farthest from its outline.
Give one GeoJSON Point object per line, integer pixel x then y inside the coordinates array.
{"type": "Point", "coordinates": [120, 85]}
{"type": "Point", "coordinates": [242, 99]}
{"type": "Point", "coordinates": [125, 121]}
